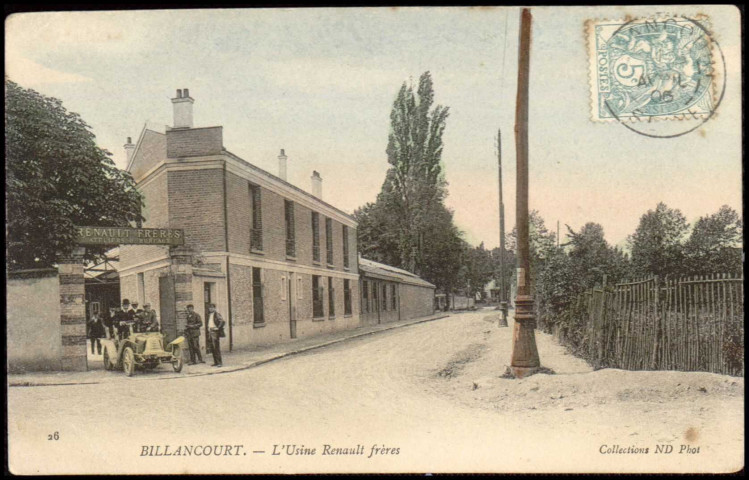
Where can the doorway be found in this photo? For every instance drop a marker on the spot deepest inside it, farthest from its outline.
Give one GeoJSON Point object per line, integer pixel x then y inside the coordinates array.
{"type": "Point", "coordinates": [209, 289]}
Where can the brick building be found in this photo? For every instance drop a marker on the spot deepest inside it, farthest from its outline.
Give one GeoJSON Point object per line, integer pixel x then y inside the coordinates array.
{"type": "Point", "coordinates": [277, 261]}
{"type": "Point", "coordinates": [389, 294]}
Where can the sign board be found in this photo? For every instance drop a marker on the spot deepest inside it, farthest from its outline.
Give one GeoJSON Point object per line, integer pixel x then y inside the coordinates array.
{"type": "Point", "coordinates": [130, 236]}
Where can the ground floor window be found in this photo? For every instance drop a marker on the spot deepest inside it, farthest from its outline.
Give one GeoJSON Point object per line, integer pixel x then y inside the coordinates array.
{"type": "Point", "coordinates": [393, 298]}
{"type": "Point", "coordinates": [384, 297]}
{"type": "Point", "coordinates": [331, 298]}
{"type": "Point", "coordinates": [346, 297]}
{"type": "Point", "coordinates": [317, 296]}
{"type": "Point", "coordinates": [365, 296]}
{"type": "Point", "coordinates": [257, 296]}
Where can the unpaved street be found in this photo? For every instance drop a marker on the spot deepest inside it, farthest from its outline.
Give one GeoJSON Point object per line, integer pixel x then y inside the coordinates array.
{"type": "Point", "coordinates": [428, 397]}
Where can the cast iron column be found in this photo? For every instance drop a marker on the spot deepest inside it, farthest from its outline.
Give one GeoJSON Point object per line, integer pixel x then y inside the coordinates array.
{"type": "Point", "coordinates": [524, 352]}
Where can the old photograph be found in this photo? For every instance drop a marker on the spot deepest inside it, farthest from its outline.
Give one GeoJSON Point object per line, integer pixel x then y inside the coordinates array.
{"type": "Point", "coordinates": [374, 240]}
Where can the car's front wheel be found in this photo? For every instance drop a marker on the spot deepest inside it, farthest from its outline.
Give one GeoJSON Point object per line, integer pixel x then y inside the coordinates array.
{"type": "Point", "coordinates": [177, 354]}
{"type": "Point", "coordinates": [128, 361]}
{"type": "Point", "coordinates": [107, 363]}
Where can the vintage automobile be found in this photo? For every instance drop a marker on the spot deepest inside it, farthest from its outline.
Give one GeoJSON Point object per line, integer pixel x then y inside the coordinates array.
{"type": "Point", "coordinates": [141, 350]}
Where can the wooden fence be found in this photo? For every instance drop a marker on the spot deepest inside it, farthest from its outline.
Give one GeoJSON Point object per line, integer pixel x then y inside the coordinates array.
{"type": "Point", "coordinates": [689, 323]}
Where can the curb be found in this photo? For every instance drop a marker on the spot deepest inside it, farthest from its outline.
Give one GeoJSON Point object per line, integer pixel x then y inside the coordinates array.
{"type": "Point", "coordinates": [239, 368]}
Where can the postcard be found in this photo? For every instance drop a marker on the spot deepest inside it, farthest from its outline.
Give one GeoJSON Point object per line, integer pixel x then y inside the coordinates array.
{"type": "Point", "coordinates": [375, 240]}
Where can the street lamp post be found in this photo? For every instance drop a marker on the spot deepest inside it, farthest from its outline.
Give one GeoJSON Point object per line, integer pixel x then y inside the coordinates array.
{"type": "Point", "coordinates": [525, 359]}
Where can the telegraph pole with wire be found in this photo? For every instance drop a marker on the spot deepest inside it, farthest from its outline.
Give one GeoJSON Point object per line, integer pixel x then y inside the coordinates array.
{"type": "Point", "coordinates": [501, 279]}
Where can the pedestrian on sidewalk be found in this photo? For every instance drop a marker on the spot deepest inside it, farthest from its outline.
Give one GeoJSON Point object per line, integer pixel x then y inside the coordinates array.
{"type": "Point", "coordinates": [215, 331]}
{"type": "Point", "coordinates": [96, 332]}
{"type": "Point", "coordinates": [192, 331]}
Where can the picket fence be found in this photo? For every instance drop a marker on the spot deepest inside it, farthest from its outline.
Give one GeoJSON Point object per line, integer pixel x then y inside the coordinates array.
{"type": "Point", "coordinates": [689, 323]}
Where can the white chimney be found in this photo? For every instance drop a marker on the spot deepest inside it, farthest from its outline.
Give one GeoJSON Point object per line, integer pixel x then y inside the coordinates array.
{"type": "Point", "coordinates": [316, 184]}
{"type": "Point", "coordinates": [183, 109]}
{"type": "Point", "coordinates": [129, 149]}
{"type": "Point", "coordinates": [282, 165]}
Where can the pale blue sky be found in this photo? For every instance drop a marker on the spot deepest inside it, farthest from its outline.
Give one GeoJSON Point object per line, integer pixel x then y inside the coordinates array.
{"type": "Point", "coordinates": [320, 84]}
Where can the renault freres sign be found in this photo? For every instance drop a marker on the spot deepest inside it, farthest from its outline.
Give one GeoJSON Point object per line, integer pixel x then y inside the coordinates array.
{"type": "Point", "coordinates": [130, 236]}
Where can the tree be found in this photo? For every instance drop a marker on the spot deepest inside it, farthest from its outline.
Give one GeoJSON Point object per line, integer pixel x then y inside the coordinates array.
{"type": "Point", "coordinates": [591, 256]}
{"type": "Point", "coordinates": [415, 183]}
{"type": "Point", "coordinates": [478, 268]}
{"type": "Point", "coordinates": [715, 243]}
{"type": "Point", "coordinates": [57, 178]}
{"type": "Point", "coordinates": [657, 244]}
{"type": "Point", "coordinates": [409, 226]}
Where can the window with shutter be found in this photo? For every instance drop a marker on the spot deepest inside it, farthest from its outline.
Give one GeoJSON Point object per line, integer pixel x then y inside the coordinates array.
{"type": "Point", "coordinates": [257, 296]}
{"type": "Point", "coordinates": [256, 227]}
{"type": "Point", "coordinates": [345, 247]}
{"type": "Point", "coordinates": [331, 298]}
{"type": "Point", "coordinates": [329, 240]}
{"type": "Point", "coordinates": [317, 297]}
{"type": "Point", "coordinates": [290, 234]}
{"type": "Point", "coordinates": [347, 297]}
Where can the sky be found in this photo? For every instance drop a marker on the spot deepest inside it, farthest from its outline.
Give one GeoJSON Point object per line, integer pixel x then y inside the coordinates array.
{"type": "Point", "coordinates": [320, 83]}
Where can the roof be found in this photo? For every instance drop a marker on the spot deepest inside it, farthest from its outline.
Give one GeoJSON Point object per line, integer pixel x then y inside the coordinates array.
{"type": "Point", "coordinates": [381, 270]}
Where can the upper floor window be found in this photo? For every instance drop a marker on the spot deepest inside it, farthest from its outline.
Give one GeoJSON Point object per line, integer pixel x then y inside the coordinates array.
{"type": "Point", "coordinates": [329, 240]}
{"type": "Point", "coordinates": [256, 226]}
{"type": "Point", "coordinates": [315, 236]}
{"type": "Point", "coordinates": [290, 236]}
{"type": "Point", "coordinates": [345, 247]}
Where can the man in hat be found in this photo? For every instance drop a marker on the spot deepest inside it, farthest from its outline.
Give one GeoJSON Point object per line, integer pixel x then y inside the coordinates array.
{"type": "Point", "coordinates": [215, 331]}
{"type": "Point", "coordinates": [192, 332]}
{"type": "Point", "coordinates": [121, 319]}
{"type": "Point", "coordinates": [148, 319]}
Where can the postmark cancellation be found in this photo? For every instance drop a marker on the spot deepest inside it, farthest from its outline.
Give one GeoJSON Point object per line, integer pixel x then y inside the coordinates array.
{"type": "Point", "coordinates": [656, 68]}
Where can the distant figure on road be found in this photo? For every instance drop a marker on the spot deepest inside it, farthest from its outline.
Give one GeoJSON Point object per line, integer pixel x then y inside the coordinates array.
{"type": "Point", "coordinates": [215, 325]}
{"type": "Point", "coordinates": [192, 330]}
{"type": "Point", "coordinates": [96, 332]}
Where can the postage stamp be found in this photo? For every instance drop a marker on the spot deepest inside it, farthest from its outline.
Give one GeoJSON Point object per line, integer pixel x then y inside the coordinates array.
{"type": "Point", "coordinates": [658, 68]}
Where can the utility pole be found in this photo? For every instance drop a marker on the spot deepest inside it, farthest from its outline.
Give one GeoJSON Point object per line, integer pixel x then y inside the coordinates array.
{"type": "Point", "coordinates": [525, 359]}
{"type": "Point", "coordinates": [502, 291]}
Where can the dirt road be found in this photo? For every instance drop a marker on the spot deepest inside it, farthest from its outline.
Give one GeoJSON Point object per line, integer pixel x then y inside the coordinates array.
{"type": "Point", "coordinates": [423, 398]}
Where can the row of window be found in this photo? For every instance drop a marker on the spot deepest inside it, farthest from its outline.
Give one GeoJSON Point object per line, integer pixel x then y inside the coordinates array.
{"type": "Point", "coordinates": [256, 231]}
{"type": "Point", "coordinates": [380, 299]}
{"type": "Point", "coordinates": [318, 292]}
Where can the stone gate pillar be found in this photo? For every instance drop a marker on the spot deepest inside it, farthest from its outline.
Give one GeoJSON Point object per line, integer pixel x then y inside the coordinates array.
{"type": "Point", "coordinates": [73, 311]}
{"type": "Point", "coordinates": [181, 269]}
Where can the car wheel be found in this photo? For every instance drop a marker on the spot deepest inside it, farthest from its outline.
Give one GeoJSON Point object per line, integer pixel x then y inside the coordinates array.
{"type": "Point", "coordinates": [107, 363]}
{"type": "Point", "coordinates": [177, 363]}
{"type": "Point", "coordinates": [128, 361]}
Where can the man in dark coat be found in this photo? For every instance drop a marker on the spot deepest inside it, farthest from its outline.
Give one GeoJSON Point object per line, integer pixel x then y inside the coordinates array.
{"type": "Point", "coordinates": [192, 331]}
{"type": "Point", "coordinates": [121, 319]}
{"type": "Point", "coordinates": [96, 332]}
{"type": "Point", "coordinates": [215, 324]}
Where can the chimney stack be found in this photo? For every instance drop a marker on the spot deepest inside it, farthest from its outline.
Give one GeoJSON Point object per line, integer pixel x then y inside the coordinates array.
{"type": "Point", "coordinates": [129, 149]}
{"type": "Point", "coordinates": [316, 184]}
{"type": "Point", "coordinates": [182, 109]}
{"type": "Point", "coordinates": [282, 165]}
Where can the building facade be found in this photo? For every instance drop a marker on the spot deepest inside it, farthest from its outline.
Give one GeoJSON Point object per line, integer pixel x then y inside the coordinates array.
{"type": "Point", "coordinates": [277, 261]}
{"type": "Point", "coordinates": [389, 294]}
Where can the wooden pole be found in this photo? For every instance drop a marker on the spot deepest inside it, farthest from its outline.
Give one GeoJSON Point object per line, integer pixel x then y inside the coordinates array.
{"type": "Point", "coordinates": [502, 290]}
{"type": "Point", "coordinates": [525, 360]}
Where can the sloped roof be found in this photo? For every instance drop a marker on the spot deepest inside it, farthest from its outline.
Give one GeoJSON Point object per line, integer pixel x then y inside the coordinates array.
{"type": "Point", "coordinates": [381, 270]}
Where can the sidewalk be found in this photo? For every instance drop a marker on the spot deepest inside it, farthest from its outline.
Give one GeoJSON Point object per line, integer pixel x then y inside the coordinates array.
{"type": "Point", "coordinates": [233, 361]}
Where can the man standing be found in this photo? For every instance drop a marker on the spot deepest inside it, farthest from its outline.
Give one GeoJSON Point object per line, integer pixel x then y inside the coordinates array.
{"type": "Point", "coordinates": [123, 318]}
{"type": "Point", "coordinates": [148, 319]}
{"type": "Point", "coordinates": [192, 331]}
{"type": "Point", "coordinates": [95, 332]}
{"type": "Point", "coordinates": [216, 331]}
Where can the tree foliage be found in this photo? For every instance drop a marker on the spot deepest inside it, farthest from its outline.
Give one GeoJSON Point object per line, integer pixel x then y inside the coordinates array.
{"type": "Point", "coordinates": [657, 244]}
{"type": "Point", "coordinates": [714, 245]}
{"type": "Point", "coordinates": [409, 226]}
{"type": "Point", "coordinates": [57, 178]}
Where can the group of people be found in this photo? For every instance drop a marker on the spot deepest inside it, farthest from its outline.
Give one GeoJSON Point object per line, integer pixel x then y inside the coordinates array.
{"type": "Point", "coordinates": [142, 319]}
{"type": "Point", "coordinates": [215, 324]}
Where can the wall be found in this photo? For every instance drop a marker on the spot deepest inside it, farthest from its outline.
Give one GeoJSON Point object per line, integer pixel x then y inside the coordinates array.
{"type": "Point", "coordinates": [33, 324]}
{"type": "Point", "coordinates": [416, 301]}
{"type": "Point", "coordinates": [194, 142]}
{"type": "Point", "coordinates": [196, 204]}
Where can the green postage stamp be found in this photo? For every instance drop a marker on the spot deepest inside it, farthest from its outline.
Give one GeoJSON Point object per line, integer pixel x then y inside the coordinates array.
{"type": "Point", "coordinates": [649, 69]}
